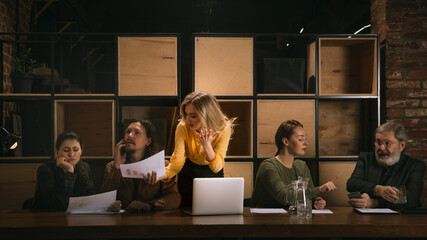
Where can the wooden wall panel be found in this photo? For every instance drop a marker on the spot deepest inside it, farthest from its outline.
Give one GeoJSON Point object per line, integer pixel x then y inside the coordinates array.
{"type": "Point", "coordinates": [93, 120]}
{"type": "Point", "coordinates": [148, 66]}
{"type": "Point", "coordinates": [271, 113]}
{"type": "Point", "coordinates": [327, 172]}
{"type": "Point", "coordinates": [224, 65]}
{"type": "Point", "coordinates": [17, 183]}
{"type": "Point", "coordinates": [339, 128]}
{"type": "Point", "coordinates": [241, 140]}
{"type": "Point", "coordinates": [347, 66]}
{"type": "Point", "coordinates": [241, 169]}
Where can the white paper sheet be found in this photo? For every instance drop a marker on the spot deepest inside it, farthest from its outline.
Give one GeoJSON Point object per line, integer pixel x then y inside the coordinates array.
{"type": "Point", "coordinates": [268, 210]}
{"type": "Point", "coordinates": [322, 211]}
{"type": "Point", "coordinates": [375, 210]}
{"type": "Point", "coordinates": [93, 204]}
{"type": "Point", "coordinates": [141, 168]}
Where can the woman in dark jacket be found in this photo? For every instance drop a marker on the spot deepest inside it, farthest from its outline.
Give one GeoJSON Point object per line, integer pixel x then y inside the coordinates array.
{"type": "Point", "coordinates": [67, 176]}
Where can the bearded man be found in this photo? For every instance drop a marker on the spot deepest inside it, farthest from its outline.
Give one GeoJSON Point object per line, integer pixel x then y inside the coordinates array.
{"type": "Point", "coordinates": [377, 175]}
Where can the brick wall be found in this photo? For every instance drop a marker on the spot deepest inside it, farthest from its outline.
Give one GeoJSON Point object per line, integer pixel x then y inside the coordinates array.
{"type": "Point", "coordinates": [8, 24]}
{"type": "Point", "coordinates": [403, 28]}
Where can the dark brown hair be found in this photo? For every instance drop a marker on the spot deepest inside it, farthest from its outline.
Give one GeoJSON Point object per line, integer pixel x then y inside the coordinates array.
{"type": "Point", "coordinates": [65, 136]}
{"type": "Point", "coordinates": [150, 130]}
{"type": "Point", "coordinates": [285, 130]}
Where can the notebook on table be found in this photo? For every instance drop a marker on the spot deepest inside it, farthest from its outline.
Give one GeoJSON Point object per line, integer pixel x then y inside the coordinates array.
{"type": "Point", "coordinates": [217, 196]}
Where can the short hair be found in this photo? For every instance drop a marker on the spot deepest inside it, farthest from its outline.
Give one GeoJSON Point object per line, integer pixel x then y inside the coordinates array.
{"type": "Point", "coordinates": [399, 130]}
{"type": "Point", "coordinates": [150, 131]}
{"type": "Point", "coordinates": [207, 109]}
{"type": "Point", "coordinates": [285, 130]}
{"type": "Point", "coordinates": [66, 136]}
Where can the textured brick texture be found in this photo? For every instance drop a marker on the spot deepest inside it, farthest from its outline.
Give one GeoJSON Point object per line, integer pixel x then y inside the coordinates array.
{"type": "Point", "coordinates": [8, 11]}
{"type": "Point", "coordinates": [403, 33]}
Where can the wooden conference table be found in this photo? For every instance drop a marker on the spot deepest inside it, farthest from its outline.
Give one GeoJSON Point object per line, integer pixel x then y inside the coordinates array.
{"type": "Point", "coordinates": [344, 223]}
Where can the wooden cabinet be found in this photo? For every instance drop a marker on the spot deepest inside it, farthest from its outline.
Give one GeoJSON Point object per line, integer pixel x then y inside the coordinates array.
{"type": "Point", "coordinates": [348, 66]}
{"type": "Point", "coordinates": [95, 83]}
{"type": "Point", "coordinates": [93, 120]}
{"type": "Point", "coordinates": [224, 65]}
{"type": "Point", "coordinates": [328, 171]}
{"type": "Point", "coordinates": [328, 83]}
{"type": "Point", "coordinates": [271, 113]}
{"type": "Point", "coordinates": [148, 66]}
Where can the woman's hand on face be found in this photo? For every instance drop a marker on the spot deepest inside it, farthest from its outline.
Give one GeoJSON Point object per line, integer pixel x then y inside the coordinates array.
{"type": "Point", "coordinates": [62, 162]}
{"type": "Point", "coordinates": [206, 136]}
{"type": "Point", "coordinates": [119, 158]}
{"type": "Point", "coordinates": [319, 203]}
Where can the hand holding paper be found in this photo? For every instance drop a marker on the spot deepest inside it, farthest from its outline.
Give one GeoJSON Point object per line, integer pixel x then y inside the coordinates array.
{"type": "Point", "coordinates": [93, 204]}
{"type": "Point", "coordinates": [145, 168]}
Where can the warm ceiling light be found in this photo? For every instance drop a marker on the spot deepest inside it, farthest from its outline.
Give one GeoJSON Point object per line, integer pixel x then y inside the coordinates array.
{"type": "Point", "coordinates": [302, 30]}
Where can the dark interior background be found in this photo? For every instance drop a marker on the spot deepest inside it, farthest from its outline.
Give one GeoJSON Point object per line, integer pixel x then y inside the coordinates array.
{"type": "Point", "coordinates": [201, 16]}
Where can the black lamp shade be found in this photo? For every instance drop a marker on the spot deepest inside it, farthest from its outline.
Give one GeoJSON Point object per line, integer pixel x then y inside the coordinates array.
{"type": "Point", "coordinates": [8, 140]}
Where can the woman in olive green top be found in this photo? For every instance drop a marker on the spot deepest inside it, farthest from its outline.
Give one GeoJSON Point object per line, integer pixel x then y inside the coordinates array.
{"type": "Point", "coordinates": [276, 173]}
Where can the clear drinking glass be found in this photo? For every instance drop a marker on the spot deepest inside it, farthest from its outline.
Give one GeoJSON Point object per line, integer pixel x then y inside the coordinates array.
{"type": "Point", "coordinates": [304, 209]}
{"type": "Point", "coordinates": [401, 193]}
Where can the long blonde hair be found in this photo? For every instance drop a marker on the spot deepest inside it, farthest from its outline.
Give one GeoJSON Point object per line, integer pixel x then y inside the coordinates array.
{"type": "Point", "coordinates": [208, 111]}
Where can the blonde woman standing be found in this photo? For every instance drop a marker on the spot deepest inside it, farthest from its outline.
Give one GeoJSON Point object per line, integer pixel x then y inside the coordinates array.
{"type": "Point", "coordinates": [201, 142]}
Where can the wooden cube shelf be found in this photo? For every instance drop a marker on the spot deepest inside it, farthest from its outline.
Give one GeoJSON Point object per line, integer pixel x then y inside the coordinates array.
{"type": "Point", "coordinates": [241, 140]}
{"type": "Point", "coordinates": [93, 120]}
{"type": "Point", "coordinates": [327, 172]}
{"type": "Point", "coordinates": [271, 113]}
{"type": "Point", "coordinates": [339, 128]}
{"type": "Point", "coordinates": [224, 65]}
{"type": "Point", "coordinates": [348, 66]}
{"type": "Point", "coordinates": [285, 65]}
{"type": "Point", "coordinates": [241, 169]}
{"type": "Point", "coordinates": [164, 118]}
{"type": "Point", "coordinates": [148, 66]}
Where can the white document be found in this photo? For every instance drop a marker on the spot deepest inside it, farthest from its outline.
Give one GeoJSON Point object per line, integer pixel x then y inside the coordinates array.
{"type": "Point", "coordinates": [268, 210]}
{"type": "Point", "coordinates": [322, 211]}
{"type": "Point", "coordinates": [141, 168]}
{"type": "Point", "coordinates": [375, 210]}
{"type": "Point", "coordinates": [93, 204]}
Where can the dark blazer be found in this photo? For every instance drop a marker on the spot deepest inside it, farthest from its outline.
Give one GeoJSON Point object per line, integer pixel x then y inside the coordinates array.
{"type": "Point", "coordinates": [408, 172]}
{"type": "Point", "coordinates": [54, 186]}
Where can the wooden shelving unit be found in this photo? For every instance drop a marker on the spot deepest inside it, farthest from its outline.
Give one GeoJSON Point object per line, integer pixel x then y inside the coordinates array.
{"type": "Point", "coordinates": [94, 83]}
{"type": "Point", "coordinates": [93, 120]}
{"type": "Point", "coordinates": [328, 83]}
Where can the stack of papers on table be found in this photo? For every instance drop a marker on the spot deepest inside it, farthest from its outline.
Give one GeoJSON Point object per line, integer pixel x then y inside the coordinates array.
{"type": "Point", "coordinates": [93, 204]}
{"type": "Point", "coordinates": [268, 210]}
{"type": "Point", "coordinates": [375, 210]}
{"type": "Point", "coordinates": [322, 211]}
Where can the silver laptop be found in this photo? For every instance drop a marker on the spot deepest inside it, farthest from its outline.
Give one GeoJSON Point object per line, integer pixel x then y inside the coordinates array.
{"type": "Point", "coordinates": [217, 196]}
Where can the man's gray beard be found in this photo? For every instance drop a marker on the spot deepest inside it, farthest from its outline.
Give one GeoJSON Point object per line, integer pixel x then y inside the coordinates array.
{"type": "Point", "coordinates": [392, 159]}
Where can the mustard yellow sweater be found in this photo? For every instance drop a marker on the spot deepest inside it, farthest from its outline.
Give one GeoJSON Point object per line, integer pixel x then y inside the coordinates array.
{"type": "Point", "coordinates": [187, 145]}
